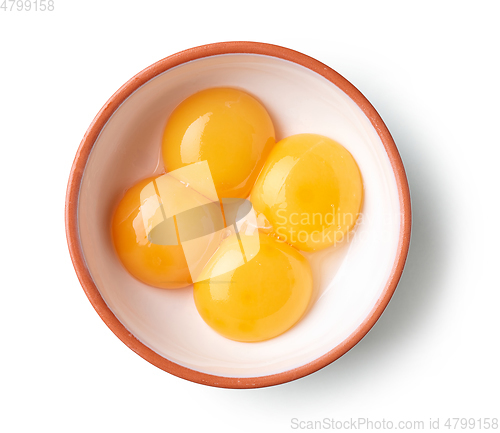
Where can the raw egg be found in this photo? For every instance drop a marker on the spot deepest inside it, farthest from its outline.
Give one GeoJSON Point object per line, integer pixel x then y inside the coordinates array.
{"type": "Point", "coordinates": [310, 190]}
{"type": "Point", "coordinates": [261, 296]}
{"type": "Point", "coordinates": [226, 127]}
{"type": "Point", "coordinates": [160, 263]}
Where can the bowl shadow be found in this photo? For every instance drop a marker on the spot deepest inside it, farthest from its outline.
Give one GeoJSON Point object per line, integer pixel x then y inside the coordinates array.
{"type": "Point", "coordinates": [412, 301]}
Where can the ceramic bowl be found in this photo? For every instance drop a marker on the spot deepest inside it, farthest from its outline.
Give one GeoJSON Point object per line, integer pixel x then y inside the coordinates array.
{"type": "Point", "coordinates": [353, 283]}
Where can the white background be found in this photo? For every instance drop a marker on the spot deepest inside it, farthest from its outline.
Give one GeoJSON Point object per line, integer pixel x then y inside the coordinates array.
{"type": "Point", "coordinates": [432, 71]}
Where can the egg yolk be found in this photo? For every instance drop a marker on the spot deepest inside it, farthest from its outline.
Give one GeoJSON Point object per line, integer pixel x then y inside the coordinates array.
{"type": "Point", "coordinates": [160, 265]}
{"type": "Point", "coordinates": [229, 129]}
{"type": "Point", "coordinates": [261, 297]}
{"type": "Point", "coordinates": [310, 190]}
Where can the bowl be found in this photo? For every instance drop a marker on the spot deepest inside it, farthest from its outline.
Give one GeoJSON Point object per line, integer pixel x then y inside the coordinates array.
{"type": "Point", "coordinates": [353, 283]}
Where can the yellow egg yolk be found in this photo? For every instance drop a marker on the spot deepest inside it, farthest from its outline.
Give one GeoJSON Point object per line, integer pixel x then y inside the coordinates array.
{"type": "Point", "coordinates": [310, 190]}
{"type": "Point", "coordinates": [261, 297]}
{"type": "Point", "coordinates": [229, 129]}
{"type": "Point", "coordinates": [158, 265]}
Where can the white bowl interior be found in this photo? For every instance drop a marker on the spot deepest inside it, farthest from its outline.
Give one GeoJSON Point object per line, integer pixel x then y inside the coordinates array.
{"type": "Point", "coordinates": [348, 280]}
